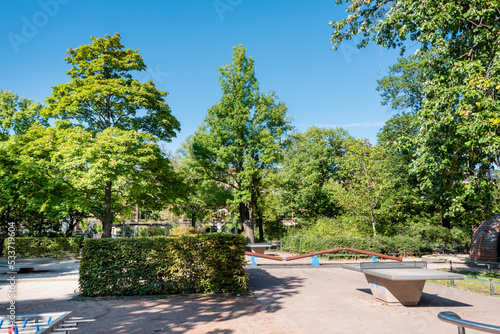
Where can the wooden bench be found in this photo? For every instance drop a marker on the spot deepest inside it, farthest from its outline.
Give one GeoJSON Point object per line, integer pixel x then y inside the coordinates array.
{"type": "Point", "coordinates": [399, 283]}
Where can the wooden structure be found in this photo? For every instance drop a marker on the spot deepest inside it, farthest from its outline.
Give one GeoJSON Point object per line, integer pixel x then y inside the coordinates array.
{"type": "Point", "coordinates": [485, 242]}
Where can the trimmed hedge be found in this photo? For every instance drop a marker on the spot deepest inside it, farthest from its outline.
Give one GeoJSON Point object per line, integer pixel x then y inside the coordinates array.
{"type": "Point", "coordinates": [163, 265]}
{"type": "Point", "coordinates": [60, 247]}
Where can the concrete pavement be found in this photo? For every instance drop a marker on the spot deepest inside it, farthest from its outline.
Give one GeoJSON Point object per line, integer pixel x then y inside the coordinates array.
{"type": "Point", "coordinates": [288, 297]}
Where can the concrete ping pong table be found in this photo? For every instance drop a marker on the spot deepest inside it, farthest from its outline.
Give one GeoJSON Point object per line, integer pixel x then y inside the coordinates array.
{"type": "Point", "coordinates": [399, 283]}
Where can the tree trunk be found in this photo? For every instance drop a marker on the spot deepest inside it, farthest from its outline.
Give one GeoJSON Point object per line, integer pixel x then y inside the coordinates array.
{"type": "Point", "coordinates": [374, 224]}
{"type": "Point", "coordinates": [193, 218]}
{"type": "Point", "coordinates": [108, 217]}
{"type": "Point", "coordinates": [260, 223]}
{"type": "Point", "coordinates": [246, 215]}
{"type": "Point", "coordinates": [74, 217]}
{"type": "Point", "coordinates": [446, 221]}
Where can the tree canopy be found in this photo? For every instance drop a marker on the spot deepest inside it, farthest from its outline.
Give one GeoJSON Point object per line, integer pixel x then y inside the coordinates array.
{"type": "Point", "coordinates": [310, 165]}
{"type": "Point", "coordinates": [109, 172]}
{"type": "Point", "coordinates": [458, 139]}
{"type": "Point", "coordinates": [242, 136]}
{"type": "Point", "coordinates": [18, 114]}
{"type": "Point", "coordinates": [102, 92]}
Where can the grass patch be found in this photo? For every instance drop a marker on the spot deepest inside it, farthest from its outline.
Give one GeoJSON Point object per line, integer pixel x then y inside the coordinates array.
{"type": "Point", "coordinates": [473, 285]}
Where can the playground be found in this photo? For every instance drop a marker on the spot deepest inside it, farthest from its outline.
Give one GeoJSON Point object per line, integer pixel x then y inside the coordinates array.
{"type": "Point", "coordinates": [286, 297]}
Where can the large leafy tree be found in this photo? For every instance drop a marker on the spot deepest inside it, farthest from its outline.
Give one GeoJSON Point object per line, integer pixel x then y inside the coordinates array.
{"type": "Point", "coordinates": [242, 136]}
{"type": "Point", "coordinates": [103, 97]}
{"type": "Point", "coordinates": [109, 173]}
{"type": "Point", "coordinates": [459, 136]}
{"type": "Point", "coordinates": [311, 164]}
{"type": "Point", "coordinates": [102, 92]}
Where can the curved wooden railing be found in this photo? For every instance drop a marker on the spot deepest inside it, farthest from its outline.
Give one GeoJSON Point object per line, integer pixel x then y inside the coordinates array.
{"type": "Point", "coordinates": [334, 250]}
{"type": "Point", "coordinates": [270, 257]}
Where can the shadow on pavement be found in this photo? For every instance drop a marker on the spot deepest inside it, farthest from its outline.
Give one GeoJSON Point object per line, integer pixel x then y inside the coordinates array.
{"type": "Point", "coordinates": [271, 291]}
{"type": "Point", "coordinates": [142, 315]}
{"type": "Point", "coordinates": [430, 300]}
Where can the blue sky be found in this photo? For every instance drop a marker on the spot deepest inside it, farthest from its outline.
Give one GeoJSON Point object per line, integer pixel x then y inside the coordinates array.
{"type": "Point", "coordinates": [185, 42]}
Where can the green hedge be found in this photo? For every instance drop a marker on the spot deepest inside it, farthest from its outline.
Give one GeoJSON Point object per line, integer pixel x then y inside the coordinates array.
{"type": "Point", "coordinates": [381, 244]}
{"type": "Point", "coordinates": [163, 265]}
{"type": "Point", "coordinates": [61, 247]}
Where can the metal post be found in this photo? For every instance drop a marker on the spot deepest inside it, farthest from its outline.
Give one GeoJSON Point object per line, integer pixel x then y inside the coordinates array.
{"type": "Point", "coordinates": [492, 291]}
{"type": "Point", "coordinates": [452, 281]}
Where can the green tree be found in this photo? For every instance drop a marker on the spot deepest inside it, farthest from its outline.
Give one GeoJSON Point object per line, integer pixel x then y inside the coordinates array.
{"type": "Point", "coordinates": [18, 114]}
{"type": "Point", "coordinates": [102, 92]}
{"type": "Point", "coordinates": [311, 164]}
{"type": "Point", "coordinates": [367, 190]}
{"type": "Point", "coordinates": [202, 196]}
{"type": "Point", "coordinates": [397, 139]}
{"type": "Point", "coordinates": [458, 141]}
{"type": "Point", "coordinates": [29, 197]}
{"type": "Point", "coordinates": [109, 172]}
{"type": "Point", "coordinates": [402, 87]}
{"type": "Point", "coordinates": [242, 136]}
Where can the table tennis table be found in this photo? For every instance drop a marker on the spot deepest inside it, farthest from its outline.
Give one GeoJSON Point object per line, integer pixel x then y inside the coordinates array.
{"type": "Point", "coordinates": [399, 283]}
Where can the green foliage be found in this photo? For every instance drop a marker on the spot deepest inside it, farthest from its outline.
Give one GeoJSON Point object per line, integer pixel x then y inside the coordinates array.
{"type": "Point", "coordinates": [402, 87]}
{"type": "Point", "coordinates": [32, 247]}
{"type": "Point", "coordinates": [185, 230]}
{"type": "Point", "coordinates": [105, 173]}
{"type": "Point", "coordinates": [28, 196]}
{"type": "Point", "coordinates": [379, 244]}
{"type": "Point", "coordinates": [18, 114]}
{"type": "Point", "coordinates": [419, 238]}
{"type": "Point", "coordinates": [151, 231]}
{"type": "Point", "coordinates": [158, 266]}
{"type": "Point", "coordinates": [202, 196]}
{"type": "Point", "coordinates": [273, 229]}
{"type": "Point", "coordinates": [458, 78]}
{"type": "Point", "coordinates": [308, 170]}
{"type": "Point", "coordinates": [241, 138]}
{"type": "Point", "coordinates": [368, 190]}
{"type": "Point", "coordinates": [103, 94]}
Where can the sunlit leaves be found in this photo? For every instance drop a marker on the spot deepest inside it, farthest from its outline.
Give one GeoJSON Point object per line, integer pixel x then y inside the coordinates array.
{"type": "Point", "coordinates": [103, 93]}
{"type": "Point", "coordinates": [18, 114]}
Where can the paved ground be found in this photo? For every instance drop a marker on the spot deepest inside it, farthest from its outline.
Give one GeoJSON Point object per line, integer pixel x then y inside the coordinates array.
{"type": "Point", "coordinates": [288, 297]}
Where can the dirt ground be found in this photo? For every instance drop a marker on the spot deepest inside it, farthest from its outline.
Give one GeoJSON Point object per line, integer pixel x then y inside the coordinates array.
{"type": "Point", "coordinates": [286, 297]}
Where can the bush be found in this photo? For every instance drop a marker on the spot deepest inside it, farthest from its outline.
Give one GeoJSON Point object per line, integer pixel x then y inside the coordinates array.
{"type": "Point", "coordinates": [379, 244]}
{"type": "Point", "coordinates": [151, 231]}
{"type": "Point", "coordinates": [185, 230]}
{"type": "Point", "coordinates": [163, 265]}
{"type": "Point", "coordinates": [61, 247]}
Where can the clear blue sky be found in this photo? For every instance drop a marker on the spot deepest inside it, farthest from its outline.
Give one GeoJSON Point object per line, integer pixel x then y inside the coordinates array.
{"type": "Point", "coordinates": [185, 42]}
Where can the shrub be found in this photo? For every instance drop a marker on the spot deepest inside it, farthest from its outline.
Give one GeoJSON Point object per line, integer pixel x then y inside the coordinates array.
{"type": "Point", "coordinates": [61, 247]}
{"type": "Point", "coordinates": [379, 244]}
{"type": "Point", "coordinates": [151, 231]}
{"type": "Point", "coordinates": [185, 230]}
{"type": "Point", "coordinates": [163, 265]}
